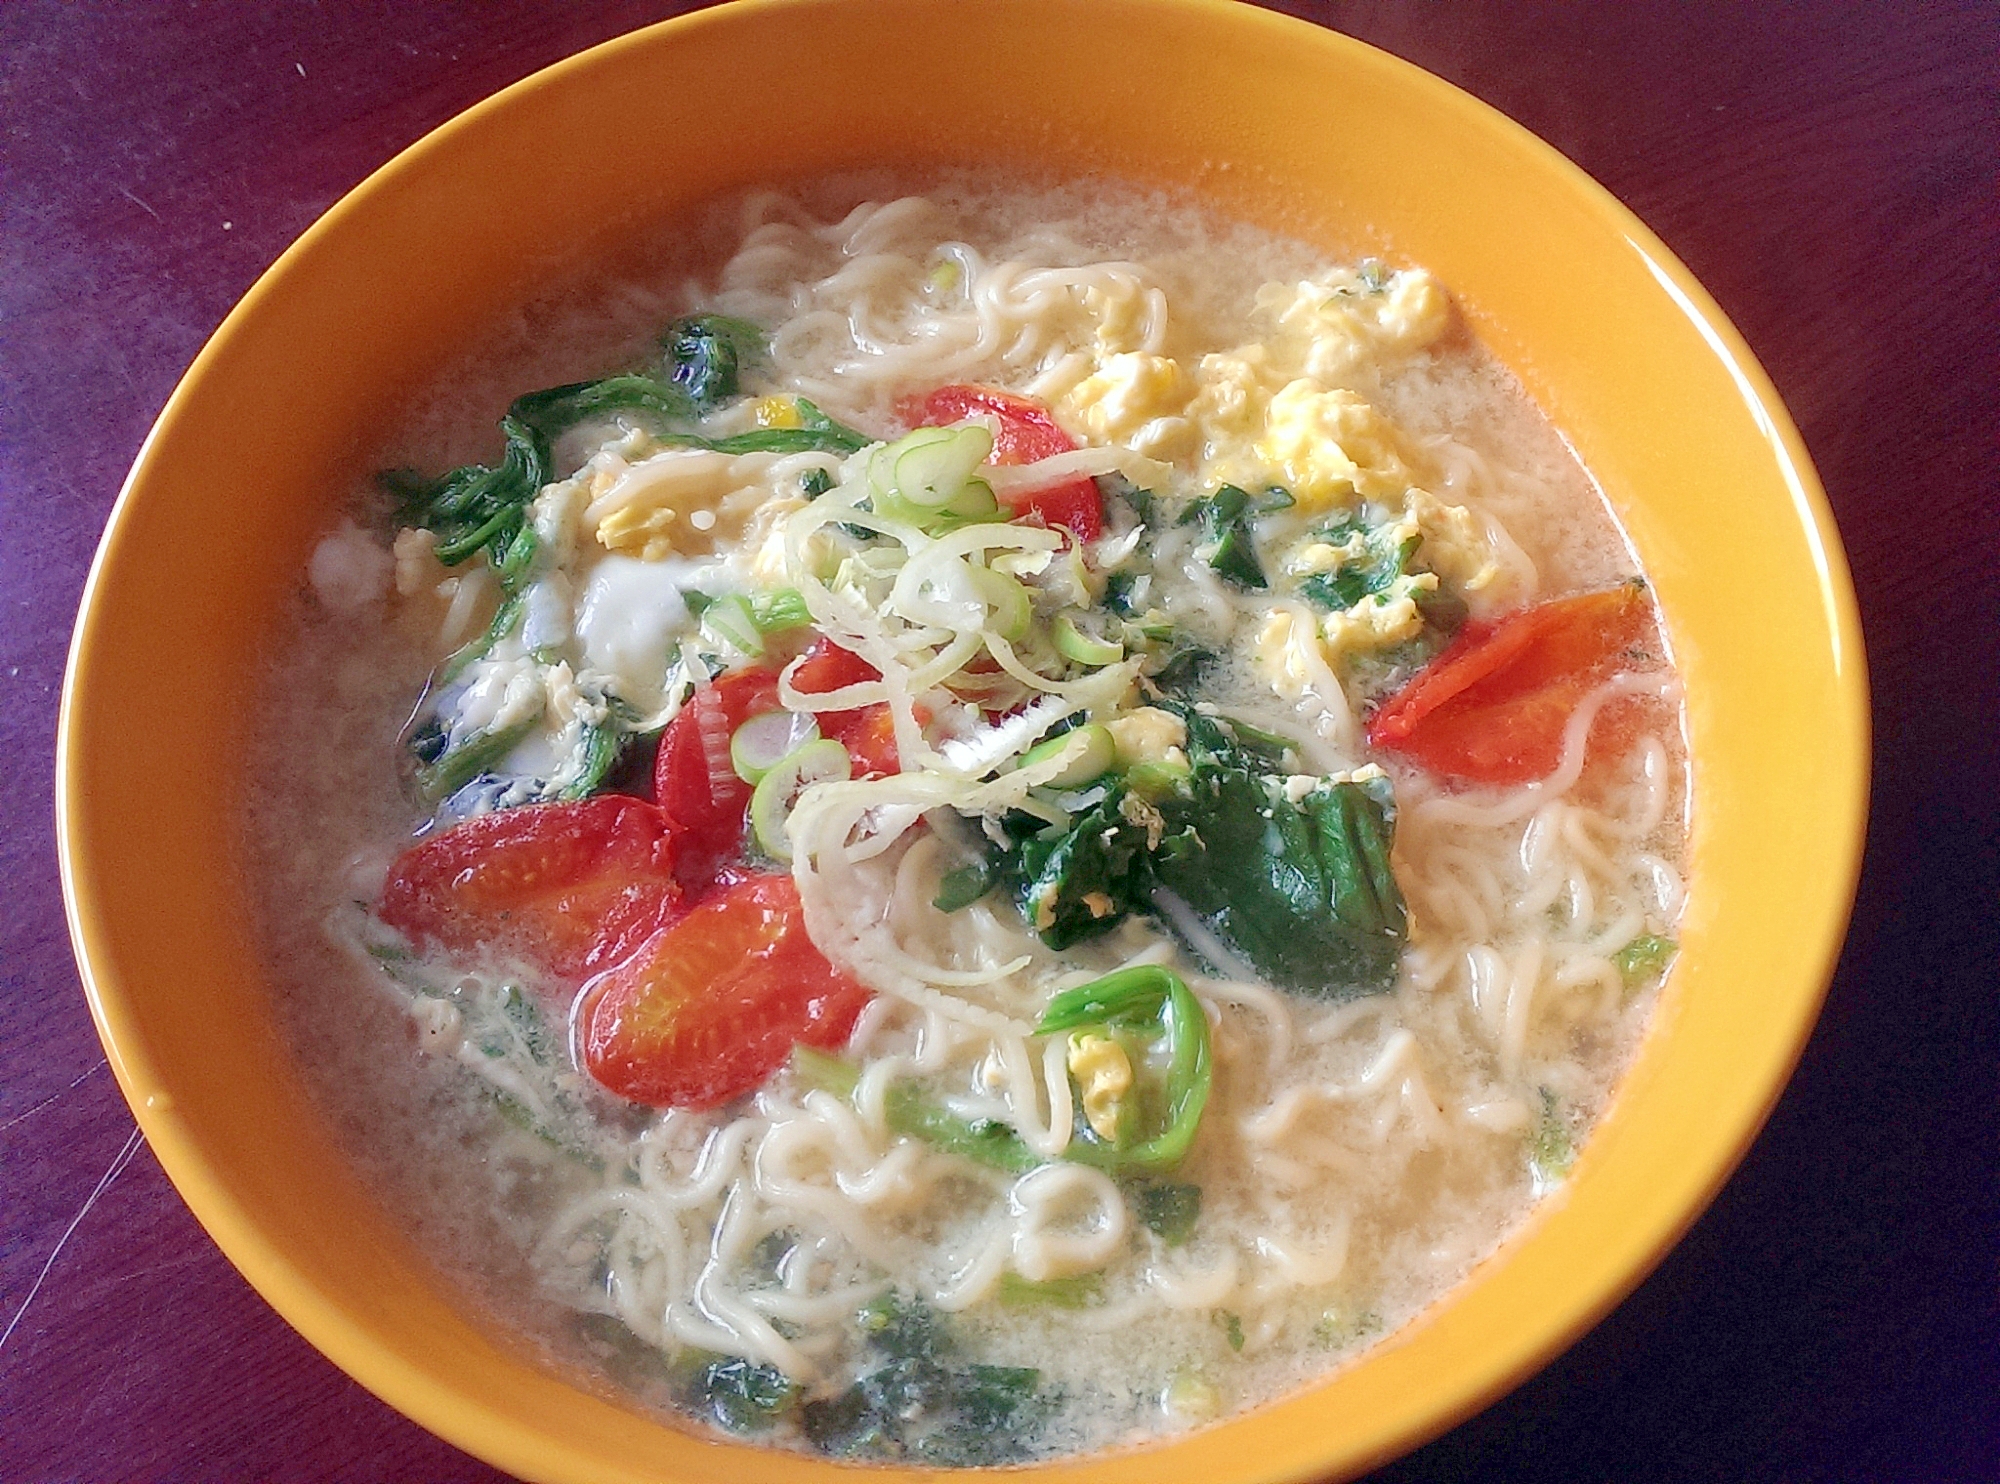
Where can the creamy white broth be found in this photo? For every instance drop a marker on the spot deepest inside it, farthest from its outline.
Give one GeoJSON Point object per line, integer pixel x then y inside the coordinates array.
{"type": "Point", "coordinates": [1357, 1155]}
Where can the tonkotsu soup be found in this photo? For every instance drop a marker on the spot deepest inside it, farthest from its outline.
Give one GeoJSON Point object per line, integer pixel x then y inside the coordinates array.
{"type": "Point", "coordinates": [997, 823]}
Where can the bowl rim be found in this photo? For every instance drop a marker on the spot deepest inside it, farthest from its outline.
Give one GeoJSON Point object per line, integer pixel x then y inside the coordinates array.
{"type": "Point", "coordinates": [489, 1432]}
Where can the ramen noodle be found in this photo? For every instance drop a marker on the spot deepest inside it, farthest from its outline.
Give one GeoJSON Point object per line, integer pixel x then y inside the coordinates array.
{"type": "Point", "coordinates": [1037, 825]}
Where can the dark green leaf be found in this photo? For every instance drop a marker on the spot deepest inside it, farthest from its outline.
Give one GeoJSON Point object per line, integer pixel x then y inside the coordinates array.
{"type": "Point", "coordinates": [1383, 558]}
{"type": "Point", "coordinates": [1182, 666]}
{"type": "Point", "coordinates": [739, 1395]}
{"type": "Point", "coordinates": [1081, 881]}
{"type": "Point", "coordinates": [602, 747]}
{"type": "Point", "coordinates": [961, 887]}
{"type": "Point", "coordinates": [1230, 546]}
{"type": "Point", "coordinates": [915, 1404]}
{"type": "Point", "coordinates": [706, 353]}
{"type": "Point", "coordinates": [1302, 890]}
{"type": "Point", "coordinates": [1169, 1211]}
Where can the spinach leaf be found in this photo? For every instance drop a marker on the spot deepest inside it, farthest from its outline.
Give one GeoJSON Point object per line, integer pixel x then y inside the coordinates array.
{"type": "Point", "coordinates": [602, 747]}
{"type": "Point", "coordinates": [481, 507]}
{"type": "Point", "coordinates": [913, 1401]}
{"type": "Point", "coordinates": [1380, 560]}
{"type": "Point", "coordinates": [1302, 889]}
{"type": "Point", "coordinates": [1078, 1292]}
{"type": "Point", "coordinates": [911, 1110]}
{"type": "Point", "coordinates": [1077, 882]}
{"type": "Point", "coordinates": [1118, 487]}
{"type": "Point", "coordinates": [960, 887]}
{"type": "Point", "coordinates": [1168, 1210]}
{"type": "Point", "coordinates": [1551, 1148]}
{"type": "Point", "coordinates": [706, 353]}
{"type": "Point", "coordinates": [738, 1395]}
{"type": "Point", "coordinates": [451, 769]}
{"type": "Point", "coordinates": [1180, 665]}
{"type": "Point", "coordinates": [816, 433]}
{"type": "Point", "coordinates": [1227, 542]}
{"type": "Point", "coordinates": [559, 408]}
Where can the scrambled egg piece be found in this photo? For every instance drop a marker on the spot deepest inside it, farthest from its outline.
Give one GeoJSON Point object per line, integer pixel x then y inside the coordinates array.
{"type": "Point", "coordinates": [1124, 307]}
{"type": "Point", "coordinates": [1103, 1074]}
{"type": "Point", "coordinates": [776, 412]}
{"type": "Point", "coordinates": [1331, 446]}
{"type": "Point", "coordinates": [1133, 399]}
{"type": "Point", "coordinates": [1454, 545]}
{"type": "Point", "coordinates": [1232, 390]}
{"type": "Point", "coordinates": [685, 501]}
{"type": "Point", "coordinates": [1146, 734]}
{"type": "Point", "coordinates": [1379, 621]}
{"type": "Point", "coordinates": [1317, 556]}
{"type": "Point", "coordinates": [1337, 326]}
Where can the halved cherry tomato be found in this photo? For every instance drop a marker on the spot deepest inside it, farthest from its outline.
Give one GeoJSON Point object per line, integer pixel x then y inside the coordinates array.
{"type": "Point", "coordinates": [572, 888]}
{"type": "Point", "coordinates": [712, 1006]}
{"type": "Point", "coordinates": [694, 782]}
{"type": "Point", "coordinates": [1492, 708]}
{"type": "Point", "coordinates": [867, 732]}
{"type": "Point", "coordinates": [1027, 435]}
{"type": "Point", "coordinates": [869, 735]}
{"type": "Point", "coordinates": [824, 667]}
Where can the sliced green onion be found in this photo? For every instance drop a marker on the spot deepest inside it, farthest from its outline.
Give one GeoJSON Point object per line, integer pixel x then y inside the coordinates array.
{"type": "Point", "coordinates": [974, 501]}
{"type": "Point", "coordinates": [824, 761]}
{"type": "Point", "coordinates": [1154, 780]}
{"type": "Point", "coordinates": [925, 477]}
{"type": "Point", "coordinates": [1012, 611]}
{"type": "Point", "coordinates": [779, 612]}
{"type": "Point", "coordinates": [730, 622]}
{"type": "Point", "coordinates": [1073, 643]}
{"type": "Point", "coordinates": [933, 464]}
{"type": "Point", "coordinates": [1090, 750]}
{"type": "Point", "coordinates": [763, 742]}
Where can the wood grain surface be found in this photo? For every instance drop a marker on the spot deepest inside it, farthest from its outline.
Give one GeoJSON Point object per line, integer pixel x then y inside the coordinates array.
{"type": "Point", "coordinates": [1831, 172]}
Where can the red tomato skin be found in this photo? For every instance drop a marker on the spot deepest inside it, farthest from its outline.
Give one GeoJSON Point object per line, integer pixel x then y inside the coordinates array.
{"type": "Point", "coordinates": [573, 888]}
{"type": "Point", "coordinates": [1075, 504]}
{"type": "Point", "coordinates": [869, 735]}
{"type": "Point", "coordinates": [694, 784]}
{"type": "Point", "coordinates": [709, 1008]}
{"type": "Point", "coordinates": [1027, 435]}
{"type": "Point", "coordinates": [826, 666]}
{"type": "Point", "coordinates": [1492, 708]}
{"type": "Point", "coordinates": [867, 732]}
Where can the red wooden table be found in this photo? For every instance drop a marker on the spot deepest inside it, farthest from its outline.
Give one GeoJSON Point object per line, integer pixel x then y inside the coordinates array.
{"type": "Point", "coordinates": [1832, 173]}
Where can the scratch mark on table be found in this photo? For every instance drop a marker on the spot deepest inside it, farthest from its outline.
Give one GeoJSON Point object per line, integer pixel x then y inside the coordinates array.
{"type": "Point", "coordinates": [138, 203]}
{"type": "Point", "coordinates": [88, 1072]}
{"type": "Point", "coordinates": [117, 1168]}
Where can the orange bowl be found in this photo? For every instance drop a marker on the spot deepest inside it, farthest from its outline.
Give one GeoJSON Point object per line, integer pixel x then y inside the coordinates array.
{"type": "Point", "coordinates": [1265, 119]}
